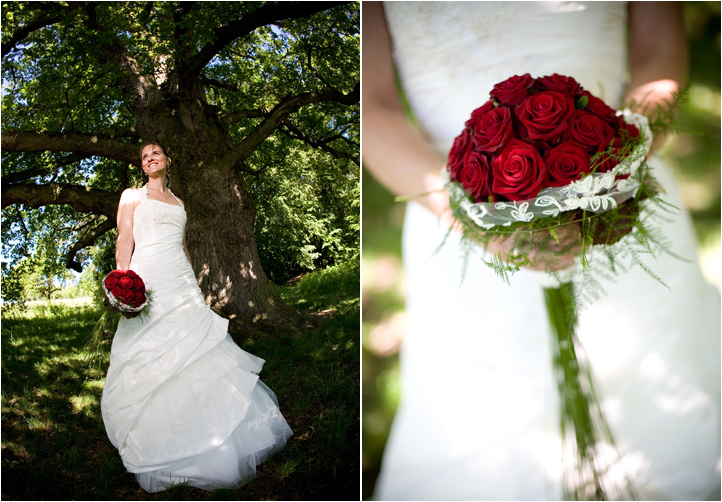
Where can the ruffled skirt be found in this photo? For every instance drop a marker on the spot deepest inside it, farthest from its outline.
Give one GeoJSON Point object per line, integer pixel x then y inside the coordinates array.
{"type": "Point", "coordinates": [182, 402]}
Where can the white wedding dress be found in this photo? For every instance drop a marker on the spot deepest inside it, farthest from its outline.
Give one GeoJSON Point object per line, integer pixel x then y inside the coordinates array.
{"type": "Point", "coordinates": [182, 402]}
{"type": "Point", "coordinates": [478, 418]}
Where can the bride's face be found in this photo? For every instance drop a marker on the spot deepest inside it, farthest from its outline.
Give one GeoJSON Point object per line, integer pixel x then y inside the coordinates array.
{"type": "Point", "coordinates": [154, 160]}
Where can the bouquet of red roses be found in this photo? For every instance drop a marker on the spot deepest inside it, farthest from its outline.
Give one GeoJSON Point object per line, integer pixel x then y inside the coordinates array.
{"type": "Point", "coordinates": [541, 157]}
{"type": "Point", "coordinates": [125, 293]}
{"type": "Point", "coordinates": [542, 154]}
{"type": "Point", "coordinates": [534, 134]}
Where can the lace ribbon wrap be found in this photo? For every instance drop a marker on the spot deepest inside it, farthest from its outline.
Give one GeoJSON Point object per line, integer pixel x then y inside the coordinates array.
{"type": "Point", "coordinates": [597, 192]}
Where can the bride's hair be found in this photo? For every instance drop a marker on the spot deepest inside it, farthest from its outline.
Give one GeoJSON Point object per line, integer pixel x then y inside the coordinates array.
{"type": "Point", "coordinates": [143, 175]}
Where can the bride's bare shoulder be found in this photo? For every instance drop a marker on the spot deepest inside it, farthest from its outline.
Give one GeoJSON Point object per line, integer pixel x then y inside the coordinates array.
{"type": "Point", "coordinates": [130, 196]}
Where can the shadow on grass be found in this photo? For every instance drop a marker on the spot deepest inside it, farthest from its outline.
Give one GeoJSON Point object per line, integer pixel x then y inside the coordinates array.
{"type": "Point", "coordinates": [54, 444]}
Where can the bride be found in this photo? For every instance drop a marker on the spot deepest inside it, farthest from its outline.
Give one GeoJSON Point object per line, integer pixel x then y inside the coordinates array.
{"type": "Point", "coordinates": [182, 402]}
{"type": "Point", "coordinates": [478, 418]}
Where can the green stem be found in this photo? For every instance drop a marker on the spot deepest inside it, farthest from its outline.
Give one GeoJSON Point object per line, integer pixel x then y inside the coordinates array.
{"type": "Point", "coordinates": [581, 418]}
{"type": "Point", "coordinates": [562, 316]}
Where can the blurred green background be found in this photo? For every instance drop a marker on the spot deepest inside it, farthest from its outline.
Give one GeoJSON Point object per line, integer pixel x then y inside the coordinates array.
{"type": "Point", "coordinates": [694, 155]}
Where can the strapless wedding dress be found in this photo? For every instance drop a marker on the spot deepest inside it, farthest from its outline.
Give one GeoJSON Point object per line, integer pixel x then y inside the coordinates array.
{"type": "Point", "coordinates": [478, 418]}
{"type": "Point", "coordinates": [182, 402]}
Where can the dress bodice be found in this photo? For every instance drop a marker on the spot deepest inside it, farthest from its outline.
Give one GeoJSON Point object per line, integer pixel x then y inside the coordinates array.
{"type": "Point", "coordinates": [450, 54]}
{"type": "Point", "coordinates": [157, 227]}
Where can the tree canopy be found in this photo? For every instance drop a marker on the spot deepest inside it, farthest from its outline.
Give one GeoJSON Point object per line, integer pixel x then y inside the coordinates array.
{"type": "Point", "coordinates": [257, 102]}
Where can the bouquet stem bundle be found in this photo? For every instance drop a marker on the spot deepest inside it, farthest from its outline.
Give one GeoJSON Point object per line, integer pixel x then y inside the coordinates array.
{"type": "Point", "coordinates": [588, 446]}
{"type": "Point", "coordinates": [100, 337]}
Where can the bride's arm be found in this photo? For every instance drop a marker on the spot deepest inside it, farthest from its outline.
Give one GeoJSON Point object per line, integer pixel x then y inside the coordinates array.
{"type": "Point", "coordinates": [396, 154]}
{"type": "Point", "coordinates": [125, 243]}
{"type": "Point", "coordinates": [658, 55]}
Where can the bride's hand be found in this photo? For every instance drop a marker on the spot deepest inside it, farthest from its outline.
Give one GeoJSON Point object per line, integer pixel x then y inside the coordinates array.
{"type": "Point", "coordinates": [568, 247]}
{"type": "Point", "coordinates": [558, 257]}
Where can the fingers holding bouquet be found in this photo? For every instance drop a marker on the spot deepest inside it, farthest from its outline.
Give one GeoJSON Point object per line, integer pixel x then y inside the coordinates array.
{"type": "Point", "coordinates": [549, 250]}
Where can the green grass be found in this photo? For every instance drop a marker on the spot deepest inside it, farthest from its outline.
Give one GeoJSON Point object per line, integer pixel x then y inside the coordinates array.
{"type": "Point", "coordinates": [54, 444]}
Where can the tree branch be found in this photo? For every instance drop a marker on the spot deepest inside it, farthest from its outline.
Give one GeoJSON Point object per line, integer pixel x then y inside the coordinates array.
{"type": "Point", "coordinates": [87, 239]}
{"type": "Point", "coordinates": [236, 116]}
{"type": "Point", "coordinates": [83, 199]}
{"type": "Point", "coordinates": [285, 107]}
{"type": "Point", "coordinates": [256, 173]}
{"type": "Point", "coordinates": [294, 132]}
{"type": "Point", "coordinates": [41, 171]}
{"type": "Point", "coordinates": [181, 30]}
{"type": "Point", "coordinates": [27, 174]}
{"type": "Point", "coordinates": [83, 144]}
{"type": "Point", "coordinates": [268, 13]}
{"type": "Point", "coordinates": [21, 218]}
{"type": "Point", "coordinates": [217, 83]}
{"type": "Point", "coordinates": [51, 14]}
{"type": "Point", "coordinates": [135, 85]}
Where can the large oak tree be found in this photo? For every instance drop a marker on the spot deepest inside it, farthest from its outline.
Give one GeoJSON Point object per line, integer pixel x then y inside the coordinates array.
{"type": "Point", "coordinates": [226, 87]}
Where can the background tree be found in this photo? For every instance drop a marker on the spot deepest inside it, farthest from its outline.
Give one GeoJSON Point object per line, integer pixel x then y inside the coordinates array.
{"type": "Point", "coordinates": [244, 96]}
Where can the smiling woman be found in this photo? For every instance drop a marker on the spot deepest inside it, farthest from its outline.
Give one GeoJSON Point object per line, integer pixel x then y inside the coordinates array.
{"type": "Point", "coordinates": [152, 156]}
{"type": "Point", "coordinates": [182, 402]}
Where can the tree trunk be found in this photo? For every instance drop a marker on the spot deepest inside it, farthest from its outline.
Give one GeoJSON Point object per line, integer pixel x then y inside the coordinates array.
{"type": "Point", "coordinates": [220, 229]}
{"type": "Point", "coordinates": [222, 244]}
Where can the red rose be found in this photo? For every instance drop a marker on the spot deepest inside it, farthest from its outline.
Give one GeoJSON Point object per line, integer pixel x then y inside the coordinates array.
{"type": "Point", "coordinates": [486, 107]}
{"type": "Point", "coordinates": [117, 274]}
{"type": "Point", "coordinates": [126, 295]}
{"type": "Point", "coordinates": [476, 176]}
{"type": "Point", "coordinates": [519, 171]}
{"type": "Point", "coordinates": [117, 290]}
{"type": "Point", "coordinates": [624, 130]}
{"type": "Point", "coordinates": [597, 107]}
{"type": "Point", "coordinates": [493, 129]}
{"type": "Point", "coordinates": [588, 132]}
{"type": "Point", "coordinates": [110, 282]}
{"type": "Point", "coordinates": [138, 283]}
{"type": "Point", "coordinates": [566, 163]}
{"type": "Point", "coordinates": [131, 274]}
{"type": "Point", "coordinates": [462, 147]}
{"type": "Point", "coordinates": [512, 91]}
{"type": "Point", "coordinates": [545, 115]}
{"type": "Point", "coordinates": [561, 84]}
{"type": "Point", "coordinates": [125, 282]}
